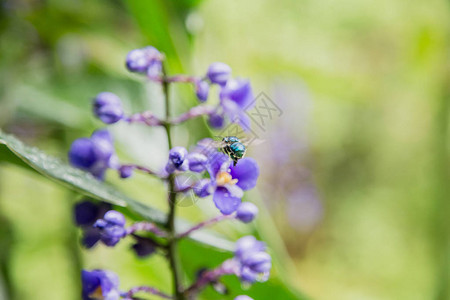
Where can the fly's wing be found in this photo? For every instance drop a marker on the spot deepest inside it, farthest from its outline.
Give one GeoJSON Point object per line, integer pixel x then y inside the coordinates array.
{"type": "Point", "coordinates": [217, 144]}
{"type": "Point", "coordinates": [252, 141]}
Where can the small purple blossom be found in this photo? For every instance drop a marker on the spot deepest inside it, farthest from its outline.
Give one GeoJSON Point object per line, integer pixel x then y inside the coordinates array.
{"type": "Point", "coordinates": [95, 154]}
{"type": "Point", "coordinates": [216, 120]}
{"type": "Point", "coordinates": [219, 73]}
{"type": "Point", "coordinates": [145, 60]}
{"type": "Point", "coordinates": [254, 262]}
{"type": "Point", "coordinates": [177, 160]}
{"type": "Point", "coordinates": [85, 215]}
{"type": "Point", "coordinates": [144, 246]}
{"type": "Point", "coordinates": [100, 284]}
{"type": "Point", "coordinates": [243, 297]}
{"type": "Point", "coordinates": [197, 162]}
{"type": "Point", "coordinates": [228, 183]}
{"type": "Point", "coordinates": [246, 212]}
{"type": "Point", "coordinates": [201, 188]}
{"type": "Point", "coordinates": [202, 90]}
{"type": "Point", "coordinates": [235, 98]}
{"type": "Point", "coordinates": [87, 212]}
{"type": "Point", "coordinates": [108, 107]}
{"type": "Point", "coordinates": [126, 171]}
{"type": "Point", "coordinates": [112, 228]}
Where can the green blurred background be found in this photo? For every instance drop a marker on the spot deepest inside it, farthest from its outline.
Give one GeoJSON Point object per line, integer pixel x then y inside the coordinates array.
{"type": "Point", "coordinates": [354, 172]}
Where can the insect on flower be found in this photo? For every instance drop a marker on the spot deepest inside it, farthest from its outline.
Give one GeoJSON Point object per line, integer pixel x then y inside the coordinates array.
{"type": "Point", "coordinates": [234, 147]}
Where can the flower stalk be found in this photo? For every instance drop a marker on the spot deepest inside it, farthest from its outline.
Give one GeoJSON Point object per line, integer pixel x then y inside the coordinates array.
{"type": "Point", "coordinates": [145, 289]}
{"type": "Point", "coordinates": [226, 183]}
{"type": "Point", "coordinates": [204, 224]}
{"type": "Point", "coordinates": [172, 254]}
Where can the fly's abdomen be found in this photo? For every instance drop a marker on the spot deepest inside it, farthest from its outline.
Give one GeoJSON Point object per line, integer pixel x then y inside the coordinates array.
{"type": "Point", "coordinates": [238, 149]}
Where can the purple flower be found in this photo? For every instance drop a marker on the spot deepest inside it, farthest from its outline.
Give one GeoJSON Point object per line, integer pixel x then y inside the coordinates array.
{"type": "Point", "coordinates": [177, 160]}
{"type": "Point", "coordinates": [228, 183]}
{"type": "Point", "coordinates": [108, 107]}
{"type": "Point", "coordinates": [145, 60]}
{"type": "Point", "coordinates": [246, 212]}
{"type": "Point", "coordinates": [100, 284]}
{"type": "Point", "coordinates": [243, 297]}
{"type": "Point", "coordinates": [216, 120]}
{"type": "Point", "coordinates": [94, 154]}
{"type": "Point", "coordinates": [219, 73]}
{"type": "Point", "coordinates": [112, 228]}
{"type": "Point", "coordinates": [87, 212]}
{"type": "Point", "coordinates": [144, 246]}
{"type": "Point", "coordinates": [254, 262]}
{"type": "Point", "coordinates": [235, 98]}
{"type": "Point", "coordinates": [126, 171]}
{"type": "Point", "coordinates": [201, 188]}
{"type": "Point", "coordinates": [202, 90]}
{"type": "Point", "coordinates": [85, 215]}
{"type": "Point", "coordinates": [197, 162]}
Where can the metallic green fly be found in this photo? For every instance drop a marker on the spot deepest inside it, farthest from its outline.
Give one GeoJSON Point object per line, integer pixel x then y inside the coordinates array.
{"type": "Point", "coordinates": [234, 147]}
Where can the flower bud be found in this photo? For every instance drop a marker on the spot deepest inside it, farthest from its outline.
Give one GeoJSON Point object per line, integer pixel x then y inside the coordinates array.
{"type": "Point", "coordinates": [216, 120]}
{"type": "Point", "coordinates": [219, 73]}
{"type": "Point", "coordinates": [126, 171]}
{"type": "Point", "coordinates": [99, 284]}
{"type": "Point", "coordinates": [177, 160]}
{"type": "Point", "coordinates": [202, 90]}
{"type": "Point", "coordinates": [202, 188]}
{"type": "Point", "coordinates": [115, 218]}
{"type": "Point", "coordinates": [108, 107]}
{"type": "Point", "coordinates": [246, 212]}
{"type": "Point", "coordinates": [239, 91]}
{"type": "Point", "coordinates": [243, 297]}
{"type": "Point", "coordinates": [112, 228]}
{"type": "Point", "coordinates": [94, 154]}
{"type": "Point", "coordinates": [144, 246]}
{"type": "Point", "coordinates": [197, 162]}
{"type": "Point", "coordinates": [145, 60]}
{"type": "Point", "coordinates": [259, 262]}
{"type": "Point", "coordinates": [177, 155]}
{"type": "Point", "coordinates": [82, 153]}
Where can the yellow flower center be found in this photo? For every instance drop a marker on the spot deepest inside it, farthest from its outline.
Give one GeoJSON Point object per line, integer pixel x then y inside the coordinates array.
{"type": "Point", "coordinates": [223, 178]}
{"type": "Point", "coordinates": [97, 294]}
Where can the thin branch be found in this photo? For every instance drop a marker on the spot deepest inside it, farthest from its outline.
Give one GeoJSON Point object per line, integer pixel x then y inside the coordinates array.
{"type": "Point", "coordinates": [196, 111]}
{"type": "Point", "coordinates": [145, 226]}
{"type": "Point", "coordinates": [148, 290]}
{"type": "Point", "coordinates": [142, 168]}
{"type": "Point", "coordinates": [204, 224]}
{"type": "Point", "coordinates": [228, 267]}
{"type": "Point", "coordinates": [172, 242]}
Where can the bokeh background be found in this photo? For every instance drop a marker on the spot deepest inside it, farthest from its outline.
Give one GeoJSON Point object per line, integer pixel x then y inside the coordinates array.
{"type": "Point", "coordinates": [354, 185]}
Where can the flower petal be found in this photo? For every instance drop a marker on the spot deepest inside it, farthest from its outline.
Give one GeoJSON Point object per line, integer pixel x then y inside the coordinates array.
{"type": "Point", "coordinates": [246, 172]}
{"type": "Point", "coordinates": [240, 92]}
{"type": "Point", "coordinates": [225, 202]}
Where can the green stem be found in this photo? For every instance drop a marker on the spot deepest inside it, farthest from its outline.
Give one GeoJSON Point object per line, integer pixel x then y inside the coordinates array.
{"type": "Point", "coordinates": [172, 241]}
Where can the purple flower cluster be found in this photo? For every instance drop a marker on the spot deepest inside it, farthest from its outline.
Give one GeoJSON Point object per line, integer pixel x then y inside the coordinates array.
{"type": "Point", "coordinates": [95, 154]}
{"type": "Point", "coordinates": [226, 182]}
{"type": "Point", "coordinates": [100, 284]}
{"type": "Point", "coordinates": [147, 60]}
{"type": "Point", "coordinates": [255, 263]}
{"type": "Point", "coordinates": [217, 177]}
{"type": "Point", "coordinates": [86, 213]}
{"type": "Point", "coordinates": [236, 96]}
{"type": "Point", "coordinates": [112, 228]}
{"type": "Point", "coordinates": [108, 107]}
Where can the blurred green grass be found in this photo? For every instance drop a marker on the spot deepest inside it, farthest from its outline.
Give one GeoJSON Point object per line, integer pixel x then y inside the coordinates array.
{"type": "Point", "coordinates": [377, 75]}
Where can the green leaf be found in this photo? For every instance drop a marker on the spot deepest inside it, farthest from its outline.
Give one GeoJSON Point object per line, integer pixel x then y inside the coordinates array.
{"type": "Point", "coordinates": [86, 184]}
